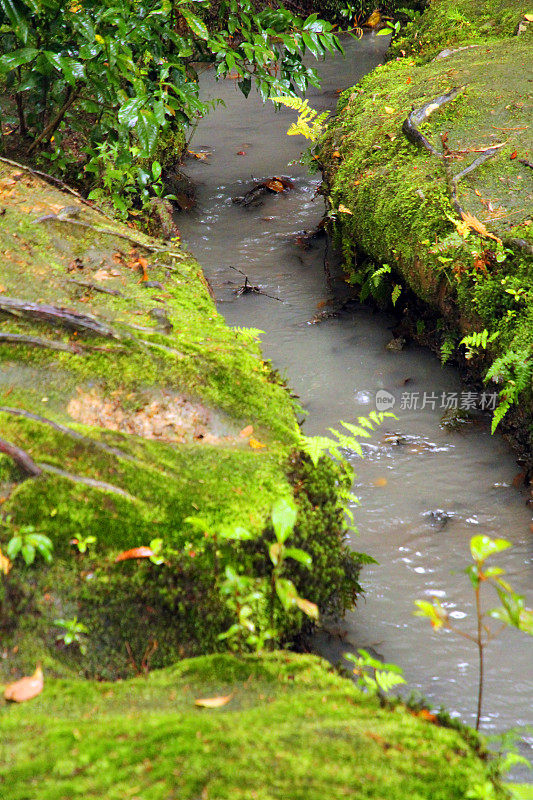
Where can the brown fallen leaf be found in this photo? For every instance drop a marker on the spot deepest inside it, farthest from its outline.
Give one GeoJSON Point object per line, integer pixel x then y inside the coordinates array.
{"type": "Point", "coordinates": [135, 552]}
{"type": "Point", "coordinates": [380, 482]}
{"type": "Point", "coordinates": [373, 20]}
{"type": "Point", "coordinates": [246, 431]}
{"type": "Point", "coordinates": [102, 275]}
{"type": "Point", "coordinates": [25, 688]}
{"type": "Point", "coordinates": [344, 210]}
{"type": "Point", "coordinates": [213, 702]}
{"type": "Point", "coordinates": [275, 185]}
{"type": "Point", "coordinates": [513, 154]}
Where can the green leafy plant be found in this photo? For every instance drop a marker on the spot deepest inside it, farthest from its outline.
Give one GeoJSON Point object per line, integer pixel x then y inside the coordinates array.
{"type": "Point", "coordinates": [309, 124]}
{"type": "Point", "coordinates": [246, 598]}
{"type": "Point", "coordinates": [447, 348]}
{"type": "Point", "coordinates": [512, 611]}
{"type": "Point", "coordinates": [474, 341]}
{"type": "Point", "coordinates": [373, 675]}
{"type": "Point", "coordinates": [73, 632]}
{"type": "Point", "coordinates": [317, 446]}
{"type": "Point", "coordinates": [117, 74]}
{"type": "Point", "coordinates": [27, 543]}
{"type": "Point", "coordinates": [82, 543]}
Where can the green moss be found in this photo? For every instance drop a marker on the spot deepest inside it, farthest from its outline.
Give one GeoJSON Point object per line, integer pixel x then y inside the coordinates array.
{"type": "Point", "coordinates": [292, 729]}
{"type": "Point", "coordinates": [401, 212]}
{"type": "Point", "coordinates": [454, 23]}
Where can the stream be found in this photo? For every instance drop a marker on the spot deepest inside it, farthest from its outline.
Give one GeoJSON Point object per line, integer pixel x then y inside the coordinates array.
{"type": "Point", "coordinates": [424, 490]}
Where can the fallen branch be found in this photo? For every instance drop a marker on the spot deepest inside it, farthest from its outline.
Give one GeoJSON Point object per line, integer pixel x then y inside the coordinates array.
{"type": "Point", "coordinates": [420, 115]}
{"type": "Point", "coordinates": [95, 288]}
{"type": "Point", "coordinates": [60, 316]}
{"type": "Point", "coordinates": [249, 288]}
{"type": "Point", "coordinates": [21, 458]}
{"type": "Point", "coordinates": [34, 341]}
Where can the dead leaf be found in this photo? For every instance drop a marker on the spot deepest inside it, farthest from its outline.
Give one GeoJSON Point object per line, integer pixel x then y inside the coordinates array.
{"type": "Point", "coordinates": [380, 482]}
{"type": "Point", "coordinates": [529, 17]}
{"type": "Point", "coordinates": [389, 110]}
{"type": "Point", "coordinates": [246, 431]}
{"type": "Point", "coordinates": [2, 288]}
{"type": "Point", "coordinates": [135, 552]}
{"type": "Point", "coordinates": [513, 155]}
{"type": "Point", "coordinates": [275, 185]}
{"type": "Point", "coordinates": [25, 688]}
{"type": "Point", "coordinates": [102, 275]}
{"type": "Point", "coordinates": [373, 20]}
{"type": "Point", "coordinates": [344, 210]}
{"type": "Point", "coordinates": [427, 715]}
{"type": "Point", "coordinates": [336, 154]}
{"type": "Point", "coordinates": [309, 608]}
{"type": "Point", "coordinates": [241, 153]}
{"type": "Point", "coordinates": [255, 444]}
{"type": "Point", "coordinates": [5, 564]}
{"type": "Point", "coordinates": [213, 702]}
{"type": "Point", "coordinates": [199, 156]}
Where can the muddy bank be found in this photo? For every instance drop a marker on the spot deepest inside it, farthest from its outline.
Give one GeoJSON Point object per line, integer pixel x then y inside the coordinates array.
{"type": "Point", "coordinates": [444, 199]}
{"type": "Point", "coordinates": [127, 405]}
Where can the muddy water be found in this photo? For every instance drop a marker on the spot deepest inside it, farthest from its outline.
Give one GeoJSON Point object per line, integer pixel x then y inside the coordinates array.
{"type": "Point", "coordinates": [424, 494]}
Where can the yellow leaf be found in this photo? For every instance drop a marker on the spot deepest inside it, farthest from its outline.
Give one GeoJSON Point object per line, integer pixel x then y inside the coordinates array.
{"type": "Point", "coordinates": [344, 210]}
{"type": "Point", "coordinates": [309, 608]}
{"type": "Point", "coordinates": [213, 702]}
{"type": "Point", "coordinates": [25, 688]}
{"type": "Point", "coordinates": [255, 444]}
{"type": "Point", "coordinates": [5, 564]}
{"type": "Point", "coordinates": [389, 110]}
{"type": "Point", "coordinates": [99, 39]}
{"type": "Point", "coordinates": [478, 226]}
{"type": "Point", "coordinates": [336, 154]}
{"type": "Point", "coordinates": [529, 17]}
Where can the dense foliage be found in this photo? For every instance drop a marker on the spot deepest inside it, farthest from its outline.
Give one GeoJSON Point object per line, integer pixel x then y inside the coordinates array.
{"type": "Point", "coordinates": [111, 79]}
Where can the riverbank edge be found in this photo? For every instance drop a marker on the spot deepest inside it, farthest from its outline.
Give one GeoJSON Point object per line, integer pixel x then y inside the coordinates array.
{"type": "Point", "coordinates": [389, 201]}
{"type": "Point", "coordinates": [279, 725]}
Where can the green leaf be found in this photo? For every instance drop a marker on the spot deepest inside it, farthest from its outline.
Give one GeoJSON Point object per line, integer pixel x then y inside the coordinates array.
{"type": "Point", "coordinates": [284, 515]}
{"type": "Point", "coordinates": [483, 546]}
{"type": "Point", "coordinates": [14, 547]}
{"type": "Point", "coordinates": [147, 129]}
{"type": "Point", "coordinates": [18, 58]}
{"type": "Point", "coordinates": [156, 170]}
{"type": "Point", "coordinates": [28, 553]}
{"type": "Point", "coordinates": [286, 591]}
{"type": "Point", "coordinates": [128, 113]}
{"type": "Point", "coordinates": [238, 533]}
{"type": "Point", "coordinates": [15, 14]}
{"type": "Point", "coordinates": [299, 555]}
{"type": "Point", "coordinates": [195, 23]}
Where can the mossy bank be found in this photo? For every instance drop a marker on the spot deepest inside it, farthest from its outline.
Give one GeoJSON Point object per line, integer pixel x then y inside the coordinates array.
{"type": "Point", "coordinates": [290, 728]}
{"type": "Point", "coordinates": [397, 204]}
{"type": "Point", "coordinates": [138, 408]}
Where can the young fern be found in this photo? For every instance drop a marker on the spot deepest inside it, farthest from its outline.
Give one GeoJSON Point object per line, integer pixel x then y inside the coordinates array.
{"type": "Point", "coordinates": [309, 123]}
{"type": "Point", "coordinates": [317, 446]}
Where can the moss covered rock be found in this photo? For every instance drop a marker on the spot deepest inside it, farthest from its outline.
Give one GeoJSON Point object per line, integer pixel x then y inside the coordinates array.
{"type": "Point", "coordinates": [137, 408]}
{"type": "Point", "coordinates": [465, 256]}
{"type": "Point", "coordinates": [292, 729]}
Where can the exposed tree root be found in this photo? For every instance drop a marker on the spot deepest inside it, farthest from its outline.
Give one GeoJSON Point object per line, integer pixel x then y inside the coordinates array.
{"type": "Point", "coordinates": [21, 458]}
{"type": "Point", "coordinates": [35, 341]}
{"type": "Point", "coordinates": [60, 316]}
{"type": "Point", "coordinates": [105, 487]}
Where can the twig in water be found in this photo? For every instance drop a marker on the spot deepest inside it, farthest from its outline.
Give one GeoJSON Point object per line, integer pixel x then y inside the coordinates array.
{"type": "Point", "coordinates": [249, 288]}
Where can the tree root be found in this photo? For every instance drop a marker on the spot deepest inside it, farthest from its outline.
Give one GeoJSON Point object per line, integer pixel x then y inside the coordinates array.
{"type": "Point", "coordinates": [60, 316]}
{"type": "Point", "coordinates": [105, 487]}
{"type": "Point", "coordinates": [20, 412]}
{"type": "Point", "coordinates": [34, 341]}
{"type": "Point", "coordinates": [413, 135]}
{"type": "Point", "coordinates": [21, 458]}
